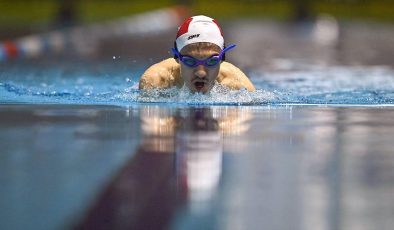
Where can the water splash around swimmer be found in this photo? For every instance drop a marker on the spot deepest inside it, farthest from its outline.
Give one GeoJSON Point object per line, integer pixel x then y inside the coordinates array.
{"type": "Point", "coordinates": [219, 95]}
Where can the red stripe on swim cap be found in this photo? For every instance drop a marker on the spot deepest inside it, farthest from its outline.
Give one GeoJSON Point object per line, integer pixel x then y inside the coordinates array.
{"type": "Point", "coordinates": [184, 27]}
{"type": "Point", "coordinates": [221, 32]}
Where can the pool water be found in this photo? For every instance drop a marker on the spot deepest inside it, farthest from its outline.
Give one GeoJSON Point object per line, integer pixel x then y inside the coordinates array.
{"type": "Point", "coordinates": [81, 149]}
{"type": "Point", "coordinates": [116, 83]}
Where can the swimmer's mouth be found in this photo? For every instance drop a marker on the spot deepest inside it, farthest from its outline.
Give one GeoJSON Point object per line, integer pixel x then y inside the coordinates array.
{"type": "Point", "coordinates": [199, 85]}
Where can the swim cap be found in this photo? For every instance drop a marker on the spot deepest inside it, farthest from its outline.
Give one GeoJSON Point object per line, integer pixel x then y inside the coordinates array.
{"type": "Point", "coordinates": [199, 29]}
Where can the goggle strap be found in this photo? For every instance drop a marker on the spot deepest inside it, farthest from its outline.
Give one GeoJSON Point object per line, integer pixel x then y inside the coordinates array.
{"type": "Point", "coordinates": [229, 48]}
{"type": "Point", "coordinates": [175, 52]}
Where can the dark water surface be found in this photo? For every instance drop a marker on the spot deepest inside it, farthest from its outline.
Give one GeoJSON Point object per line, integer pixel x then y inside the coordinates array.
{"type": "Point", "coordinates": [208, 167]}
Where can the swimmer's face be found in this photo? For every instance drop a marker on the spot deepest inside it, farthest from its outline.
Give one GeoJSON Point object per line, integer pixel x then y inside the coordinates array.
{"type": "Point", "coordinates": [200, 78]}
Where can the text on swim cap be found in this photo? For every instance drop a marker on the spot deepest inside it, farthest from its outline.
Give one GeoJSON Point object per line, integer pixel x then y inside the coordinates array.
{"type": "Point", "coordinates": [193, 36]}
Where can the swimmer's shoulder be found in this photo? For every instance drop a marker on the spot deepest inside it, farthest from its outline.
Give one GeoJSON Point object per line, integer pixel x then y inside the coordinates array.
{"type": "Point", "coordinates": [164, 74]}
{"type": "Point", "coordinates": [233, 77]}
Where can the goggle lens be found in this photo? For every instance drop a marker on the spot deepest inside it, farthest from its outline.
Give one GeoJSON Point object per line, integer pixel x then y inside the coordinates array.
{"type": "Point", "coordinates": [212, 61]}
{"type": "Point", "coordinates": [189, 61]}
{"type": "Point", "coordinates": [192, 62]}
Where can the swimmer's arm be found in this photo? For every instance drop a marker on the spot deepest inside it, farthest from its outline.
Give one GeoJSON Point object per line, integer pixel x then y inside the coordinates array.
{"type": "Point", "coordinates": [161, 75]}
{"type": "Point", "coordinates": [233, 78]}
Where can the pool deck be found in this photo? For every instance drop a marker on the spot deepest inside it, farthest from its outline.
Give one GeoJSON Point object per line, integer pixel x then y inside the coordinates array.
{"type": "Point", "coordinates": [218, 167]}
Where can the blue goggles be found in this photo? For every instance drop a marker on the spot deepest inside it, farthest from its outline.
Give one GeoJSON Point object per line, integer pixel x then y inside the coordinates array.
{"type": "Point", "coordinates": [208, 62]}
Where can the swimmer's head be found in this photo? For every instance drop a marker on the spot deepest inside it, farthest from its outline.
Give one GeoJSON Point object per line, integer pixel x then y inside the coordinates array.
{"type": "Point", "coordinates": [199, 29]}
{"type": "Point", "coordinates": [199, 49]}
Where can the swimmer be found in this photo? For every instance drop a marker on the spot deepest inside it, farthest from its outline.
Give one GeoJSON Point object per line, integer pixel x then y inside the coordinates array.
{"type": "Point", "coordinates": [199, 61]}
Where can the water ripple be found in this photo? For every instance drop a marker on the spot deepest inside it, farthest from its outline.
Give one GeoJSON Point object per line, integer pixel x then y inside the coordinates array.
{"type": "Point", "coordinates": [330, 85]}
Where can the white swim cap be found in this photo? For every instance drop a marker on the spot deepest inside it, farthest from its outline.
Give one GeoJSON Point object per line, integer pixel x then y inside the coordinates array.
{"type": "Point", "coordinates": [199, 29]}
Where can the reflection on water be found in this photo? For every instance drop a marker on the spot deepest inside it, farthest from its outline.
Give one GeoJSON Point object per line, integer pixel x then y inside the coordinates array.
{"type": "Point", "coordinates": [199, 155]}
{"type": "Point", "coordinates": [178, 165]}
{"type": "Point", "coordinates": [320, 168]}
{"type": "Point", "coordinates": [247, 167]}
{"type": "Point", "coordinates": [156, 167]}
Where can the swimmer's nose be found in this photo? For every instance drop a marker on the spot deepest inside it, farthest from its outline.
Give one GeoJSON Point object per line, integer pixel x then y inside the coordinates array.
{"type": "Point", "coordinates": [200, 71]}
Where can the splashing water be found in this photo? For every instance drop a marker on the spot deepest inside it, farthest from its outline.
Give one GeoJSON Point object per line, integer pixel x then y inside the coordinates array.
{"type": "Point", "coordinates": [111, 84]}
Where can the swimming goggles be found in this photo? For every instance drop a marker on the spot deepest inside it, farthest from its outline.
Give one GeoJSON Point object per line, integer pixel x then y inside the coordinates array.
{"type": "Point", "coordinates": [209, 62]}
